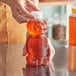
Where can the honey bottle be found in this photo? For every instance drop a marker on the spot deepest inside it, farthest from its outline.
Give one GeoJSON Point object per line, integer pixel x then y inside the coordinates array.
{"type": "Point", "coordinates": [37, 52]}
{"type": "Point", "coordinates": [72, 41]}
{"type": "Point", "coordinates": [72, 27]}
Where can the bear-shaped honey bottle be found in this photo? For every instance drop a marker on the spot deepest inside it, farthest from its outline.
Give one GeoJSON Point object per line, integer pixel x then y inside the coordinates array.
{"type": "Point", "coordinates": [36, 47]}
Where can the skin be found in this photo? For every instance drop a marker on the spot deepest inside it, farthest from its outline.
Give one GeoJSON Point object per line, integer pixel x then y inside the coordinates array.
{"type": "Point", "coordinates": [21, 9]}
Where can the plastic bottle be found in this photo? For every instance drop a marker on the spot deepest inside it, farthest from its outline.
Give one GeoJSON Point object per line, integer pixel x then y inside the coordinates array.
{"type": "Point", "coordinates": [59, 27]}
{"type": "Point", "coordinates": [72, 41]}
{"type": "Point", "coordinates": [37, 52]}
{"type": "Point", "coordinates": [72, 27]}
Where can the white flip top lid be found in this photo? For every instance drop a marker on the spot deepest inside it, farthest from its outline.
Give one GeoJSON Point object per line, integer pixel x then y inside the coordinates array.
{"type": "Point", "coordinates": [37, 14]}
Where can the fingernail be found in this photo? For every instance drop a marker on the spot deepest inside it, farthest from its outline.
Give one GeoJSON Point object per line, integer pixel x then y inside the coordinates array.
{"type": "Point", "coordinates": [32, 16]}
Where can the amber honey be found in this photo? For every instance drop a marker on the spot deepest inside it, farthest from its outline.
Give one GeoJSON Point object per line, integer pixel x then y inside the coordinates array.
{"type": "Point", "coordinates": [37, 50]}
{"type": "Point", "coordinates": [72, 30]}
{"type": "Point", "coordinates": [37, 27]}
{"type": "Point", "coordinates": [72, 41]}
{"type": "Point", "coordinates": [72, 58]}
{"type": "Point", "coordinates": [37, 43]}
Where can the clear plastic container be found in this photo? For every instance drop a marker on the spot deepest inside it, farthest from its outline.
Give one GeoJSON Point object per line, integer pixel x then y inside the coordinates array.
{"type": "Point", "coordinates": [37, 52]}
{"type": "Point", "coordinates": [72, 27]}
{"type": "Point", "coordinates": [72, 41]}
{"type": "Point", "coordinates": [72, 58]}
{"type": "Point", "coordinates": [59, 27]}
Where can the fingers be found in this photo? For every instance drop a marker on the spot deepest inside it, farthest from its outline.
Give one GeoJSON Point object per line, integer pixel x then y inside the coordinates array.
{"type": "Point", "coordinates": [36, 2]}
{"type": "Point", "coordinates": [21, 15]}
{"type": "Point", "coordinates": [24, 11]}
{"type": "Point", "coordinates": [19, 18]}
{"type": "Point", "coordinates": [31, 5]}
{"type": "Point", "coordinates": [21, 10]}
{"type": "Point", "coordinates": [28, 9]}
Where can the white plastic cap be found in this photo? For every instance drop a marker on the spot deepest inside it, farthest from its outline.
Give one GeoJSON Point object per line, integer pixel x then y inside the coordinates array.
{"type": "Point", "coordinates": [37, 14]}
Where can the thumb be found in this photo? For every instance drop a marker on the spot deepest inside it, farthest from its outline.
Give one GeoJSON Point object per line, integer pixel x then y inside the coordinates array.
{"type": "Point", "coordinates": [36, 2]}
{"type": "Point", "coordinates": [32, 5]}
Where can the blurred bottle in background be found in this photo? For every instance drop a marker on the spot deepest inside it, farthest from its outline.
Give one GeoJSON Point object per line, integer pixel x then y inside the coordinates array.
{"type": "Point", "coordinates": [72, 27]}
{"type": "Point", "coordinates": [72, 58]}
{"type": "Point", "coordinates": [59, 27]}
{"type": "Point", "coordinates": [72, 41]}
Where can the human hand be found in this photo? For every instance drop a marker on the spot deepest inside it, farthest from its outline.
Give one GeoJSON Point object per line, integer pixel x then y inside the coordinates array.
{"type": "Point", "coordinates": [21, 9]}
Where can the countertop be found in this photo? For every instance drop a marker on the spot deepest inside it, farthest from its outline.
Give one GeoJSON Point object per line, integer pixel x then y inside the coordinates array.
{"type": "Point", "coordinates": [12, 63]}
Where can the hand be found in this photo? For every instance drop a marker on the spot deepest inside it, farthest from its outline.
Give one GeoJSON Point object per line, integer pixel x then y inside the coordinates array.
{"type": "Point", "coordinates": [21, 9]}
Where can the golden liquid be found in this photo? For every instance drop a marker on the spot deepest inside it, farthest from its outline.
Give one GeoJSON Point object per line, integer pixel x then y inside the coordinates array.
{"type": "Point", "coordinates": [36, 27]}
{"type": "Point", "coordinates": [72, 30]}
{"type": "Point", "coordinates": [36, 43]}
{"type": "Point", "coordinates": [72, 58]}
{"type": "Point", "coordinates": [72, 46]}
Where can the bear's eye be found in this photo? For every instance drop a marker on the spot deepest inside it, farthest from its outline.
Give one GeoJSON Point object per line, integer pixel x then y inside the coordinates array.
{"type": "Point", "coordinates": [37, 27]}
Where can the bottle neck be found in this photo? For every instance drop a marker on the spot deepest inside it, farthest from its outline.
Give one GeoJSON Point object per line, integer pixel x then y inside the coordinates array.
{"type": "Point", "coordinates": [36, 19]}
{"type": "Point", "coordinates": [41, 35]}
{"type": "Point", "coordinates": [73, 15]}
